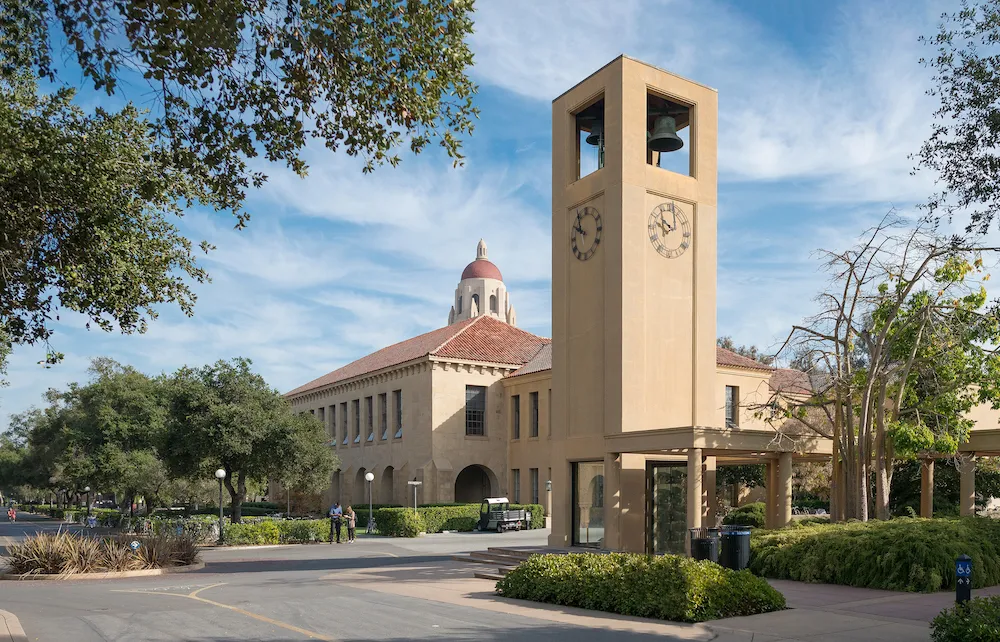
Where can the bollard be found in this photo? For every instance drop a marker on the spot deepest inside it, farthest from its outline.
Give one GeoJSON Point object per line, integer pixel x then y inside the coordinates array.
{"type": "Point", "coordinates": [963, 579]}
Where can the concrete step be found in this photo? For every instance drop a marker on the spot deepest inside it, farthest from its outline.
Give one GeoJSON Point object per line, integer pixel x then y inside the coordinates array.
{"type": "Point", "coordinates": [496, 558]}
{"type": "Point", "coordinates": [506, 569]}
{"type": "Point", "coordinates": [468, 559]}
{"type": "Point", "coordinates": [511, 552]}
{"type": "Point", "coordinates": [495, 577]}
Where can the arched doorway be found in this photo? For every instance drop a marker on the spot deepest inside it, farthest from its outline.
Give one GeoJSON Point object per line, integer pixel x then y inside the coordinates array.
{"type": "Point", "coordinates": [360, 494]}
{"type": "Point", "coordinates": [385, 488]}
{"type": "Point", "coordinates": [474, 483]}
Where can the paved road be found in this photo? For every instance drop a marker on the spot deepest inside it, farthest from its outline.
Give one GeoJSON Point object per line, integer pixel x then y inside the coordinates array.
{"type": "Point", "coordinates": [374, 589]}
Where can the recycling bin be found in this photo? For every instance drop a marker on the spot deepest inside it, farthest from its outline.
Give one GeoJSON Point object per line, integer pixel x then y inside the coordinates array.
{"type": "Point", "coordinates": [735, 547]}
{"type": "Point", "coordinates": [705, 544]}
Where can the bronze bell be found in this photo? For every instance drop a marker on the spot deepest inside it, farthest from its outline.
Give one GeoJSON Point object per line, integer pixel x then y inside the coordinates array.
{"type": "Point", "coordinates": [664, 137]}
{"type": "Point", "coordinates": [596, 132]}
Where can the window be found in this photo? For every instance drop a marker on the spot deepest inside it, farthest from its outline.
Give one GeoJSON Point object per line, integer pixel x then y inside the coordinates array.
{"type": "Point", "coordinates": [533, 473]}
{"type": "Point", "coordinates": [370, 419]}
{"type": "Point", "coordinates": [515, 480]}
{"type": "Point", "coordinates": [333, 424]}
{"type": "Point", "coordinates": [343, 421]}
{"type": "Point", "coordinates": [312, 411]}
{"type": "Point", "coordinates": [668, 134]}
{"type": "Point", "coordinates": [460, 304]}
{"type": "Point", "coordinates": [357, 420]}
{"type": "Point", "coordinates": [590, 137]}
{"type": "Point", "coordinates": [533, 400]}
{"type": "Point", "coordinates": [474, 309]}
{"type": "Point", "coordinates": [475, 410]}
{"type": "Point", "coordinates": [493, 303]}
{"type": "Point", "coordinates": [397, 401]}
{"type": "Point", "coordinates": [515, 413]}
{"type": "Point", "coordinates": [732, 406]}
{"type": "Point", "coordinates": [383, 426]}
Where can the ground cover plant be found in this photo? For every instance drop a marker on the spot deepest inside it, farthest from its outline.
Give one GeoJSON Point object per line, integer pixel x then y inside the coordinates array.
{"type": "Point", "coordinates": [667, 587]}
{"type": "Point", "coordinates": [66, 553]}
{"type": "Point", "coordinates": [976, 621]}
{"type": "Point", "coordinates": [904, 554]}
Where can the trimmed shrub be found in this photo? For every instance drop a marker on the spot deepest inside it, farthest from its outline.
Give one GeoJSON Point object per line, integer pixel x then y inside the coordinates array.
{"type": "Point", "coordinates": [253, 533]}
{"type": "Point", "coordinates": [904, 554]}
{"type": "Point", "coordinates": [977, 621]}
{"type": "Point", "coordinates": [397, 522]}
{"type": "Point", "coordinates": [754, 515]}
{"type": "Point", "coordinates": [461, 517]}
{"type": "Point", "coordinates": [537, 514]}
{"type": "Point", "coordinates": [667, 587]}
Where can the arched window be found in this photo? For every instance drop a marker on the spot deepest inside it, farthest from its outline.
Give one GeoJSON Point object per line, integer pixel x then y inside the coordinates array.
{"type": "Point", "coordinates": [475, 303]}
{"type": "Point", "coordinates": [493, 303]}
{"type": "Point", "coordinates": [460, 304]}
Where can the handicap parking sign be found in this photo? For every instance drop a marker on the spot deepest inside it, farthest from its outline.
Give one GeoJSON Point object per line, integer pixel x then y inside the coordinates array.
{"type": "Point", "coordinates": [91, 521]}
{"type": "Point", "coordinates": [963, 569]}
{"type": "Point", "coordinates": [134, 545]}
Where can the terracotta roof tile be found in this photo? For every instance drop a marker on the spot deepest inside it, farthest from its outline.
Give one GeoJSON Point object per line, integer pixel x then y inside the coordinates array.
{"type": "Point", "coordinates": [790, 381]}
{"type": "Point", "coordinates": [729, 358]}
{"type": "Point", "coordinates": [480, 339]}
{"type": "Point", "coordinates": [541, 362]}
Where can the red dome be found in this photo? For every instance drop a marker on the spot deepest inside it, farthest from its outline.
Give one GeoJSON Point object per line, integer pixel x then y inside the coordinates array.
{"type": "Point", "coordinates": [481, 269]}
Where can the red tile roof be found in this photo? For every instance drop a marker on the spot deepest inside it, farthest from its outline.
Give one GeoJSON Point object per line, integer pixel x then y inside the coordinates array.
{"type": "Point", "coordinates": [729, 358]}
{"type": "Point", "coordinates": [541, 362]}
{"type": "Point", "coordinates": [794, 382]}
{"type": "Point", "coordinates": [481, 269]}
{"type": "Point", "coordinates": [482, 339]}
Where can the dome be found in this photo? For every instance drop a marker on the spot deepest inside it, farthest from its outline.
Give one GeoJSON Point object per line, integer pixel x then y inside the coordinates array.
{"type": "Point", "coordinates": [481, 269]}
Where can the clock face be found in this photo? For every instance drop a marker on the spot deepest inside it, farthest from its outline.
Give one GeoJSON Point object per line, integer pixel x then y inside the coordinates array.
{"type": "Point", "coordinates": [586, 232]}
{"type": "Point", "coordinates": [669, 230]}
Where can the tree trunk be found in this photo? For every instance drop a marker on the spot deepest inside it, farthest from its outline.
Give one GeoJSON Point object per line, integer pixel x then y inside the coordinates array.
{"type": "Point", "coordinates": [236, 495]}
{"type": "Point", "coordinates": [881, 457]}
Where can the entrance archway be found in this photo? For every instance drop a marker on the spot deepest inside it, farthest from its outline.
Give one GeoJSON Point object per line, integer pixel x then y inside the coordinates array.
{"type": "Point", "coordinates": [475, 483]}
{"type": "Point", "coordinates": [360, 494]}
{"type": "Point", "coordinates": [385, 488]}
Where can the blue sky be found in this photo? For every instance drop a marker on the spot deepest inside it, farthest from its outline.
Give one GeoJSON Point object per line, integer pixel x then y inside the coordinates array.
{"type": "Point", "coordinates": [820, 105]}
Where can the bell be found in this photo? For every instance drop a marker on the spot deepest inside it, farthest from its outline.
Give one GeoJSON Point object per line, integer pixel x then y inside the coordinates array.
{"type": "Point", "coordinates": [664, 137]}
{"type": "Point", "coordinates": [596, 131]}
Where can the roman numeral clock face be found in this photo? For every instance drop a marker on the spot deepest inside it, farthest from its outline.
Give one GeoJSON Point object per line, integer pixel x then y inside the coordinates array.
{"type": "Point", "coordinates": [669, 230]}
{"type": "Point", "coordinates": [586, 227]}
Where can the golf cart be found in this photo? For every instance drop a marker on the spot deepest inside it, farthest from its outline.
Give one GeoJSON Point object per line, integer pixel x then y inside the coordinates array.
{"type": "Point", "coordinates": [495, 514]}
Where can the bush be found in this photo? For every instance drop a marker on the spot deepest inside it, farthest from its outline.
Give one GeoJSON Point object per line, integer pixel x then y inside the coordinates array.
{"type": "Point", "coordinates": [253, 533]}
{"type": "Point", "coordinates": [461, 517]}
{"type": "Point", "coordinates": [66, 553]}
{"type": "Point", "coordinates": [754, 515]}
{"type": "Point", "coordinates": [977, 621]}
{"type": "Point", "coordinates": [668, 587]}
{"type": "Point", "coordinates": [398, 522]}
{"type": "Point", "coordinates": [903, 554]}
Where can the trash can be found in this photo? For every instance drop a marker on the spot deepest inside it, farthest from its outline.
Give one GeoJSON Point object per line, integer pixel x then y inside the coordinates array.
{"type": "Point", "coordinates": [705, 544]}
{"type": "Point", "coordinates": [735, 547]}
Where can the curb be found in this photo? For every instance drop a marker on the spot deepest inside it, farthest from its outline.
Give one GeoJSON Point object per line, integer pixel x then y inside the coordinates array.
{"type": "Point", "coordinates": [105, 576]}
{"type": "Point", "coordinates": [10, 626]}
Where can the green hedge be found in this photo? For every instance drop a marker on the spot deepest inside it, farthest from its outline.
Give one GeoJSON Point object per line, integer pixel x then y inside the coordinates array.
{"type": "Point", "coordinates": [977, 621]}
{"type": "Point", "coordinates": [668, 587]}
{"type": "Point", "coordinates": [754, 515]}
{"type": "Point", "coordinates": [904, 554]}
{"type": "Point", "coordinates": [456, 517]}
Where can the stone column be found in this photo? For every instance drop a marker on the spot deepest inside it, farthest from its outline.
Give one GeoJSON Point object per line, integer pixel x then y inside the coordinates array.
{"type": "Point", "coordinates": [771, 502]}
{"type": "Point", "coordinates": [709, 490]}
{"type": "Point", "coordinates": [784, 489]}
{"type": "Point", "coordinates": [967, 485]}
{"type": "Point", "coordinates": [694, 486]}
{"type": "Point", "coordinates": [927, 488]}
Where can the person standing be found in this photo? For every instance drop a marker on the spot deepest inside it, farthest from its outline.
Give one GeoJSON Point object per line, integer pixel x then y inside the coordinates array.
{"type": "Point", "coordinates": [352, 522]}
{"type": "Point", "coordinates": [336, 517]}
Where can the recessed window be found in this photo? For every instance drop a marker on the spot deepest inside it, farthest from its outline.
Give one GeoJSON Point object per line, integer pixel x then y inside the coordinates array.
{"type": "Point", "coordinates": [515, 413]}
{"type": "Point", "coordinates": [343, 422]}
{"type": "Point", "coordinates": [533, 402]}
{"type": "Point", "coordinates": [515, 481]}
{"type": "Point", "coordinates": [332, 428]}
{"type": "Point", "coordinates": [732, 406]}
{"type": "Point", "coordinates": [397, 401]}
{"type": "Point", "coordinates": [668, 134]}
{"type": "Point", "coordinates": [356, 407]}
{"type": "Point", "coordinates": [590, 136]}
{"type": "Point", "coordinates": [382, 424]}
{"type": "Point", "coordinates": [475, 410]}
{"type": "Point", "coordinates": [370, 419]}
{"type": "Point", "coordinates": [493, 303]}
{"type": "Point", "coordinates": [533, 473]}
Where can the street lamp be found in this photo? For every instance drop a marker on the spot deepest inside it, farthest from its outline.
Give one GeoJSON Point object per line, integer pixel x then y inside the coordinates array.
{"type": "Point", "coordinates": [220, 474]}
{"type": "Point", "coordinates": [369, 476]}
{"type": "Point", "coordinates": [87, 490]}
{"type": "Point", "coordinates": [414, 483]}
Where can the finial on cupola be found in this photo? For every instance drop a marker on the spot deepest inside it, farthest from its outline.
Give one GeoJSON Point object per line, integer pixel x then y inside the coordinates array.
{"type": "Point", "coordinates": [481, 250]}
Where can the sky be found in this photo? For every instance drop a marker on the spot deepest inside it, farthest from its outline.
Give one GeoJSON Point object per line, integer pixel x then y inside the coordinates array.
{"type": "Point", "coordinates": [821, 104]}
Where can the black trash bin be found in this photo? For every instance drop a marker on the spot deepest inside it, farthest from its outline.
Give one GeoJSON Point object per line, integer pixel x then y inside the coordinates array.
{"type": "Point", "coordinates": [735, 547]}
{"type": "Point", "coordinates": [705, 544]}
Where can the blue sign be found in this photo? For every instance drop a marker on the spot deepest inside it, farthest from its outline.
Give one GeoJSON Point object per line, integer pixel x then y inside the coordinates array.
{"type": "Point", "coordinates": [91, 521]}
{"type": "Point", "coordinates": [134, 545]}
{"type": "Point", "coordinates": [963, 569]}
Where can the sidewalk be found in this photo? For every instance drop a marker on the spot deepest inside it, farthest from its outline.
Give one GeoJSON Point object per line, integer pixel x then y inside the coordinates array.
{"type": "Point", "coordinates": [10, 628]}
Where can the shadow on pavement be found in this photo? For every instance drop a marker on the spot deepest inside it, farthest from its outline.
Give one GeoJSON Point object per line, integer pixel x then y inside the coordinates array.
{"type": "Point", "coordinates": [314, 564]}
{"type": "Point", "coordinates": [495, 630]}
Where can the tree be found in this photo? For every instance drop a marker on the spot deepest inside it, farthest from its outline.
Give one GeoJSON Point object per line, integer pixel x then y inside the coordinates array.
{"type": "Point", "coordinates": [224, 415]}
{"type": "Point", "coordinates": [904, 336]}
{"type": "Point", "coordinates": [84, 219]}
{"type": "Point", "coordinates": [964, 146]}
{"type": "Point", "coordinates": [751, 352]}
{"type": "Point", "coordinates": [86, 200]}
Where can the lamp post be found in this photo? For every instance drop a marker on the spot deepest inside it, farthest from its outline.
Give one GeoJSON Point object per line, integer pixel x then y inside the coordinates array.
{"type": "Point", "coordinates": [369, 477]}
{"type": "Point", "coordinates": [220, 474]}
{"type": "Point", "coordinates": [87, 490]}
{"type": "Point", "coordinates": [414, 483]}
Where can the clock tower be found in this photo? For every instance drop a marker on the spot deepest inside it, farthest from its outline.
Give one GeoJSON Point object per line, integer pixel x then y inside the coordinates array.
{"type": "Point", "coordinates": [633, 286]}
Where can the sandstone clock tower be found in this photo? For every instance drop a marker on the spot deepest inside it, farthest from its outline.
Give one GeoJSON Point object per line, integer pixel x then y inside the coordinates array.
{"type": "Point", "coordinates": [634, 185]}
